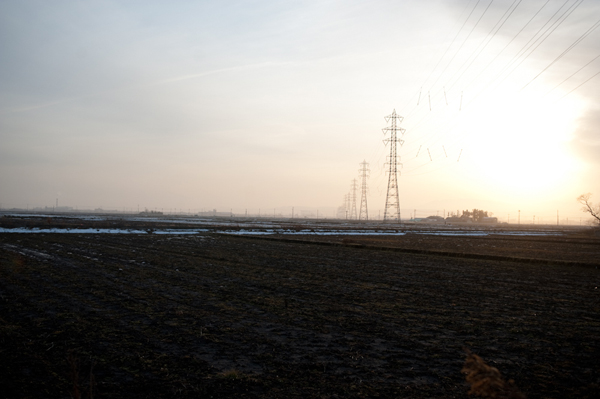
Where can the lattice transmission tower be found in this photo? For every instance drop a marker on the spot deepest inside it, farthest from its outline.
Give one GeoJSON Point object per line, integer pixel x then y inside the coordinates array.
{"type": "Point", "coordinates": [392, 200]}
{"type": "Point", "coordinates": [346, 205]}
{"type": "Point", "coordinates": [353, 188]}
{"type": "Point", "coordinates": [364, 174]}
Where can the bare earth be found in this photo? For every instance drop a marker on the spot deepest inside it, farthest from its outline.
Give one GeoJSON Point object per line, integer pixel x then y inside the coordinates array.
{"type": "Point", "coordinates": [213, 315]}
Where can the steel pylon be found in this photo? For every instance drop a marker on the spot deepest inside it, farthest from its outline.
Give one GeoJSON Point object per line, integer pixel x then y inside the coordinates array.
{"type": "Point", "coordinates": [392, 200]}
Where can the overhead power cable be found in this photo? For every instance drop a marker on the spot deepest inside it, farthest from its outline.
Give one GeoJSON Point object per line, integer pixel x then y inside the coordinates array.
{"type": "Point", "coordinates": [573, 74]}
{"type": "Point", "coordinates": [571, 47]}
{"type": "Point", "coordinates": [441, 58]}
{"type": "Point", "coordinates": [507, 44]}
{"type": "Point", "coordinates": [587, 80]}
{"type": "Point", "coordinates": [510, 10]}
{"type": "Point", "coordinates": [529, 44]}
{"type": "Point", "coordinates": [546, 35]}
{"type": "Point", "coordinates": [463, 43]}
{"type": "Point", "coordinates": [542, 34]}
{"type": "Point", "coordinates": [453, 40]}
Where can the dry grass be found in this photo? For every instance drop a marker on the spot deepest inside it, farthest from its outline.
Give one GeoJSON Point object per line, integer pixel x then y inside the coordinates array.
{"type": "Point", "coordinates": [231, 375]}
{"type": "Point", "coordinates": [486, 381]}
{"type": "Point", "coordinates": [77, 392]}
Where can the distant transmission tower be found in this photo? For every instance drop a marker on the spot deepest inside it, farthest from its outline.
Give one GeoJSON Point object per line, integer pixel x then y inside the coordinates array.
{"type": "Point", "coordinates": [364, 174]}
{"type": "Point", "coordinates": [346, 205]}
{"type": "Point", "coordinates": [354, 186]}
{"type": "Point", "coordinates": [392, 200]}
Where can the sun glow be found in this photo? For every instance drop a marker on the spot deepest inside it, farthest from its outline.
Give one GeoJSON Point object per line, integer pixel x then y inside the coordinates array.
{"type": "Point", "coordinates": [520, 145]}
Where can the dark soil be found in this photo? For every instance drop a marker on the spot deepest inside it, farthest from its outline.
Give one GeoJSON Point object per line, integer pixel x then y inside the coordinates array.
{"type": "Point", "coordinates": [582, 249]}
{"type": "Point", "coordinates": [133, 316]}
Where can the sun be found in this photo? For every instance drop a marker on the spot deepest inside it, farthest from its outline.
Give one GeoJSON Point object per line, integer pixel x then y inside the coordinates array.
{"type": "Point", "coordinates": [519, 144]}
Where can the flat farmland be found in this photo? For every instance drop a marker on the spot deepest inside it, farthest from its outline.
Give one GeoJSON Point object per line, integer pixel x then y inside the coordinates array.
{"type": "Point", "coordinates": [224, 316]}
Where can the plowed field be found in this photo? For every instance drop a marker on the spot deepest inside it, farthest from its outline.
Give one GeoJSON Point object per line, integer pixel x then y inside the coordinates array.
{"type": "Point", "coordinates": [210, 315]}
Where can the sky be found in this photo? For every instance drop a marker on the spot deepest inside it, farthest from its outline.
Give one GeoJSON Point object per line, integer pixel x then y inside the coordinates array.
{"type": "Point", "coordinates": [265, 106]}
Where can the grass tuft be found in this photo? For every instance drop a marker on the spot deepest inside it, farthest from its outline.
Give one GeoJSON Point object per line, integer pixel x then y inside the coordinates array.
{"type": "Point", "coordinates": [486, 381]}
{"type": "Point", "coordinates": [232, 374]}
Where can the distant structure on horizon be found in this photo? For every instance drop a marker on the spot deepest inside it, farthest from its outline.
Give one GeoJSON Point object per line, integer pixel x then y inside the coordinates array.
{"type": "Point", "coordinates": [392, 200]}
{"type": "Point", "coordinates": [364, 174]}
{"type": "Point", "coordinates": [353, 214]}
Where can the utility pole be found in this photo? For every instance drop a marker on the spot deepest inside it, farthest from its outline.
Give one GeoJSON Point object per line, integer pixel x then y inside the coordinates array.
{"type": "Point", "coordinates": [364, 174]}
{"type": "Point", "coordinates": [353, 187]}
{"type": "Point", "coordinates": [519, 216]}
{"type": "Point", "coordinates": [392, 200]}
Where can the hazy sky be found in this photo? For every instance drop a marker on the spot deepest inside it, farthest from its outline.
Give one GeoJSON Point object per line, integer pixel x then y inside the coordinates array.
{"type": "Point", "coordinates": [273, 104]}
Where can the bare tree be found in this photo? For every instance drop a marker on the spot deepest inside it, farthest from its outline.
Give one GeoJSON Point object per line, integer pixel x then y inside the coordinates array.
{"type": "Point", "coordinates": [588, 207]}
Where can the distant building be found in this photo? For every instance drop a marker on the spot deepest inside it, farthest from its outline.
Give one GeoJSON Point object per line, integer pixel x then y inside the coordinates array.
{"type": "Point", "coordinates": [215, 213]}
{"type": "Point", "coordinates": [429, 219]}
{"type": "Point", "coordinates": [489, 220]}
{"type": "Point", "coordinates": [150, 213]}
{"type": "Point", "coordinates": [456, 219]}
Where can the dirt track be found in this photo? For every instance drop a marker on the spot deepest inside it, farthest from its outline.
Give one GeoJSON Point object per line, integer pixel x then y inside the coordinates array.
{"type": "Point", "coordinates": [221, 316]}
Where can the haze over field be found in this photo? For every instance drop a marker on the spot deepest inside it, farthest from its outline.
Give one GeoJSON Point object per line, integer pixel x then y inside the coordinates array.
{"type": "Point", "coordinates": [273, 104]}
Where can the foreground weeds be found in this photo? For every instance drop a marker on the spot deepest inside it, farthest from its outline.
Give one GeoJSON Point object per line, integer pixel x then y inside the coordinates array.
{"type": "Point", "coordinates": [487, 382]}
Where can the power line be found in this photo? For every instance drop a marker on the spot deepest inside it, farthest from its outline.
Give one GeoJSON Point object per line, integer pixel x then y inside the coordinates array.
{"type": "Point", "coordinates": [573, 74]}
{"type": "Point", "coordinates": [464, 41]}
{"type": "Point", "coordinates": [442, 57]}
{"type": "Point", "coordinates": [453, 40]}
{"type": "Point", "coordinates": [427, 116]}
{"type": "Point", "coordinates": [536, 40]}
{"type": "Point", "coordinates": [527, 45]}
{"type": "Point", "coordinates": [501, 22]}
{"type": "Point", "coordinates": [508, 44]}
{"type": "Point", "coordinates": [587, 80]}
{"type": "Point", "coordinates": [545, 35]}
{"type": "Point", "coordinates": [571, 47]}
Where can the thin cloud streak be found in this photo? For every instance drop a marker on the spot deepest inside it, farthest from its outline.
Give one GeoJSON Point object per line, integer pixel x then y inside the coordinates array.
{"type": "Point", "coordinates": [222, 70]}
{"type": "Point", "coordinates": [26, 108]}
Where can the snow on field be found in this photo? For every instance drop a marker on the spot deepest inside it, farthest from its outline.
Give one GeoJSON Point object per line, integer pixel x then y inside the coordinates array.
{"type": "Point", "coordinates": [99, 231]}
{"type": "Point", "coordinates": [318, 232]}
{"type": "Point", "coordinates": [292, 227]}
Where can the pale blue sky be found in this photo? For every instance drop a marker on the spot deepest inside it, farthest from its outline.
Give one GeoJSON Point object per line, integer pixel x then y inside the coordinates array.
{"type": "Point", "coordinates": [273, 104]}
